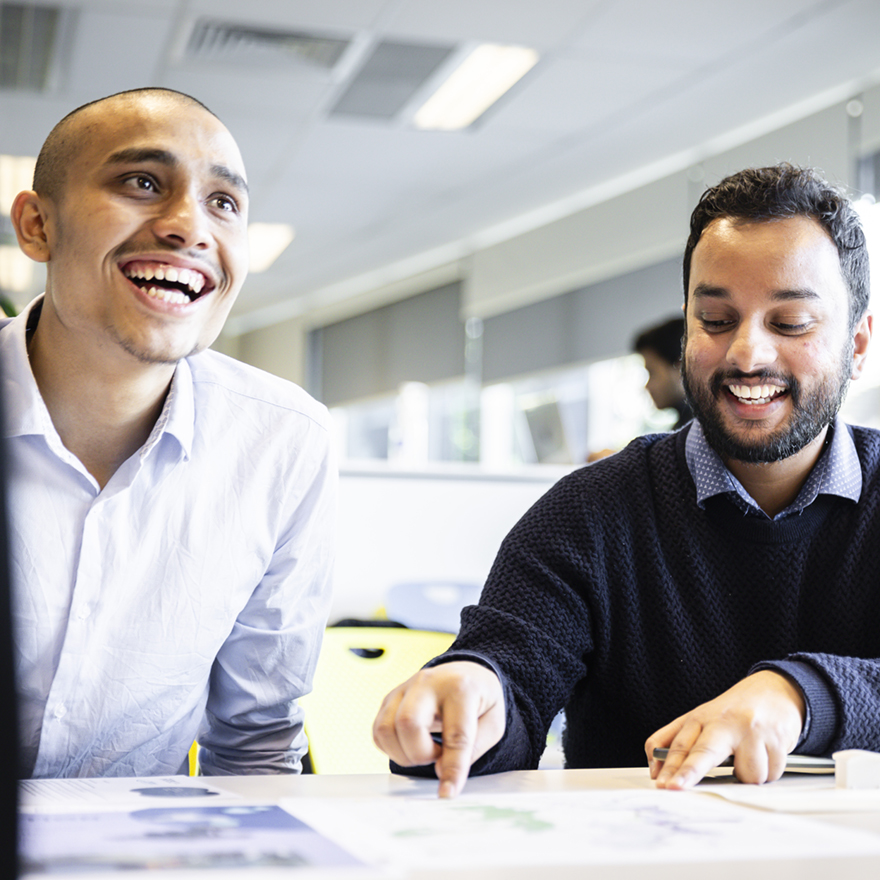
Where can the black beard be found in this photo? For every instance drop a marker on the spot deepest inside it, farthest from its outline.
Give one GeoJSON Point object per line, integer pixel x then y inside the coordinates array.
{"type": "Point", "coordinates": [811, 414]}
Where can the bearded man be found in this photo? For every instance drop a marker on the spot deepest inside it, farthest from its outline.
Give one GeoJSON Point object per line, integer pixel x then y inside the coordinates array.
{"type": "Point", "coordinates": [712, 591]}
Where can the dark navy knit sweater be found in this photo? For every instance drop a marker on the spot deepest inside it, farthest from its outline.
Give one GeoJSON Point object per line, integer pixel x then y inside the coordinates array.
{"type": "Point", "coordinates": [619, 598]}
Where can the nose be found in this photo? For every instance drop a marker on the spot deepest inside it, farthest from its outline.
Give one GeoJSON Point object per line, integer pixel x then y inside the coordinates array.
{"type": "Point", "coordinates": [752, 347]}
{"type": "Point", "coordinates": [181, 220]}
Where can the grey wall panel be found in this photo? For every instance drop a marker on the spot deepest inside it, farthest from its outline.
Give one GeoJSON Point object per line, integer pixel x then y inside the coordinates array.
{"type": "Point", "coordinates": [420, 339]}
{"type": "Point", "coordinates": [588, 324]}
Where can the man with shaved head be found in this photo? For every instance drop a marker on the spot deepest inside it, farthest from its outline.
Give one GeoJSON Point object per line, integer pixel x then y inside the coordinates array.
{"type": "Point", "coordinates": [171, 509]}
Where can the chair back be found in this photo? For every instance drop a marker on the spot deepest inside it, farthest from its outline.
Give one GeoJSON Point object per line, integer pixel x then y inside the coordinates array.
{"type": "Point", "coordinates": [358, 666]}
{"type": "Point", "coordinates": [430, 605]}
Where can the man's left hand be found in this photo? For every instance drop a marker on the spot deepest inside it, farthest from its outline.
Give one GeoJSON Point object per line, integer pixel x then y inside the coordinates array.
{"type": "Point", "coordinates": [758, 721]}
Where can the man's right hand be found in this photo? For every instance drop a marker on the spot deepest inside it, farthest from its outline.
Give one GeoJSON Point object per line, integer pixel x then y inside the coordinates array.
{"type": "Point", "coordinates": [461, 700]}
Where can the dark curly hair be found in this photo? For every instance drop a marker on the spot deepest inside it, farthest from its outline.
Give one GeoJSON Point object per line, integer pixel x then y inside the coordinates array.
{"type": "Point", "coordinates": [781, 191]}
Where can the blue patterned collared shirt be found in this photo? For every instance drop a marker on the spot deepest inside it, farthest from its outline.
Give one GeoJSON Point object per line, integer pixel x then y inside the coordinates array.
{"type": "Point", "coordinates": [837, 472]}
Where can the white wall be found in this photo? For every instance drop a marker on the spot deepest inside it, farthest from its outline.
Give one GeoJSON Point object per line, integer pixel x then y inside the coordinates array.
{"type": "Point", "coordinates": [279, 349]}
{"type": "Point", "coordinates": [446, 524]}
{"type": "Point", "coordinates": [626, 233]}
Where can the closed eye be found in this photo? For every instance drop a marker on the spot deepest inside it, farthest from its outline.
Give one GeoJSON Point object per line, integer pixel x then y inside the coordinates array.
{"type": "Point", "coordinates": [716, 325]}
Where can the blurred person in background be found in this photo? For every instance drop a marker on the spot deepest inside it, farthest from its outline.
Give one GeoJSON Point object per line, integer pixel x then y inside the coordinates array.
{"type": "Point", "coordinates": [660, 348]}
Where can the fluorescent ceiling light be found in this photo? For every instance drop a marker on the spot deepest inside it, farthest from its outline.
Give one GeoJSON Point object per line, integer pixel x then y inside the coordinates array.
{"type": "Point", "coordinates": [16, 270]}
{"type": "Point", "coordinates": [267, 243]}
{"type": "Point", "coordinates": [16, 174]}
{"type": "Point", "coordinates": [484, 76]}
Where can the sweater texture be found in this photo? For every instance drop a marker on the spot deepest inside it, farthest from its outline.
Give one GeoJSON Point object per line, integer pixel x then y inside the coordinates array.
{"type": "Point", "coordinates": [618, 598]}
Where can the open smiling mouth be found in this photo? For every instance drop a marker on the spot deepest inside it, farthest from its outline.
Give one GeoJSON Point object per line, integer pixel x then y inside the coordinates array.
{"type": "Point", "coordinates": [756, 394]}
{"type": "Point", "coordinates": [168, 283]}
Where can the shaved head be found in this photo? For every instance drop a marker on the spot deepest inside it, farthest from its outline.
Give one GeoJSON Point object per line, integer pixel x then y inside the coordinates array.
{"type": "Point", "coordinates": [67, 137]}
{"type": "Point", "coordinates": [140, 213]}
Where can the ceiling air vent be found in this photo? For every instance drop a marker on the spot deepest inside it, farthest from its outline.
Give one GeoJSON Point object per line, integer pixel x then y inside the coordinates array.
{"type": "Point", "coordinates": [389, 79]}
{"type": "Point", "coordinates": [27, 40]}
{"type": "Point", "coordinates": [233, 43]}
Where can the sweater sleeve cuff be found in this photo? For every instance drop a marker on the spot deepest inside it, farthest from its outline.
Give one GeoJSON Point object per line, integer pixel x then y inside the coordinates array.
{"type": "Point", "coordinates": [471, 656]}
{"type": "Point", "coordinates": [427, 770]}
{"type": "Point", "coordinates": [821, 721]}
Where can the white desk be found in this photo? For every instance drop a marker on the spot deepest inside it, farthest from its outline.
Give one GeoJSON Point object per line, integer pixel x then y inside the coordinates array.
{"type": "Point", "coordinates": [343, 792]}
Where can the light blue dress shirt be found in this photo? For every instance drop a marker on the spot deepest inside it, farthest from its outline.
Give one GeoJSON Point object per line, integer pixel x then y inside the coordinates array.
{"type": "Point", "coordinates": [188, 597]}
{"type": "Point", "coordinates": [837, 472]}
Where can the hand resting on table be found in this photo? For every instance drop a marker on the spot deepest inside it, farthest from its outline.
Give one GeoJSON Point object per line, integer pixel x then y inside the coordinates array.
{"type": "Point", "coordinates": [758, 721]}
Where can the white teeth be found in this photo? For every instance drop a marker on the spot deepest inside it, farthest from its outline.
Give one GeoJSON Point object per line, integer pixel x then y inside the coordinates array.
{"type": "Point", "coordinates": [192, 279]}
{"type": "Point", "coordinates": [756, 393]}
{"type": "Point", "coordinates": [170, 296]}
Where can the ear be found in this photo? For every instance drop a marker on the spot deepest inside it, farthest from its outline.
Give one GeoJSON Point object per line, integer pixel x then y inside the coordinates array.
{"type": "Point", "coordinates": [861, 340]}
{"type": "Point", "coordinates": [29, 217]}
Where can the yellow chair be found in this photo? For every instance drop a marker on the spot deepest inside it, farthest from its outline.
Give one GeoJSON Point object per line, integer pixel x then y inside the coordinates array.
{"type": "Point", "coordinates": [357, 667]}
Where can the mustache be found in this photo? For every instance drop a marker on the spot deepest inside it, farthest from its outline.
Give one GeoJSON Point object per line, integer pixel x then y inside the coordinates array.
{"type": "Point", "coordinates": [127, 251]}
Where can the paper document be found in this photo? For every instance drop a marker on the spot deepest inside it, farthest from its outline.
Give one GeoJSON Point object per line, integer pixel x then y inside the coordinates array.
{"type": "Point", "coordinates": [99, 793]}
{"type": "Point", "coordinates": [182, 838]}
{"type": "Point", "coordinates": [793, 794]}
{"type": "Point", "coordinates": [569, 828]}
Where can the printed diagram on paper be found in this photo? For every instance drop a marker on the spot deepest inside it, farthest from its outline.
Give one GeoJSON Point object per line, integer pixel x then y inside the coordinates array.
{"type": "Point", "coordinates": [570, 828]}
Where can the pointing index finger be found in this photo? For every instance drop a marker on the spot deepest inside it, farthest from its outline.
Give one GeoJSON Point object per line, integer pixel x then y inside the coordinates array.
{"type": "Point", "coordinates": [460, 720]}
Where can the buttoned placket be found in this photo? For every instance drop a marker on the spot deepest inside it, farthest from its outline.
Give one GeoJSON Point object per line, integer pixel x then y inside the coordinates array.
{"type": "Point", "coordinates": [63, 706]}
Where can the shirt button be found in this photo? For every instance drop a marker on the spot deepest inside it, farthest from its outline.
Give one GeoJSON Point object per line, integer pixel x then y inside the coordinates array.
{"type": "Point", "coordinates": [60, 710]}
{"type": "Point", "coordinates": [84, 612]}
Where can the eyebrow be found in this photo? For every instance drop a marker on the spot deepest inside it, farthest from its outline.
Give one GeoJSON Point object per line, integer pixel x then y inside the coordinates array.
{"type": "Point", "coordinates": [711, 291]}
{"type": "Point", "coordinates": [233, 179]}
{"type": "Point", "coordinates": [135, 155]}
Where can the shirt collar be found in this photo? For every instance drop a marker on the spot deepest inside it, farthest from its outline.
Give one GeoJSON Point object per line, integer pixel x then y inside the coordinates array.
{"type": "Point", "coordinates": [838, 472]}
{"type": "Point", "coordinates": [178, 413]}
{"type": "Point", "coordinates": [24, 410]}
{"type": "Point", "coordinates": [26, 413]}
